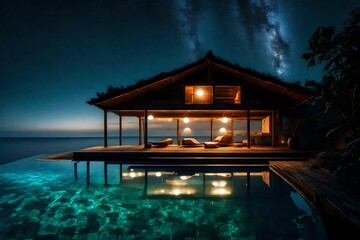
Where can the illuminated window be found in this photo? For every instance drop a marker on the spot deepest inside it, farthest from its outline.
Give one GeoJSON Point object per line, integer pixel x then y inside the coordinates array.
{"type": "Point", "coordinates": [228, 94]}
{"type": "Point", "coordinates": [198, 94]}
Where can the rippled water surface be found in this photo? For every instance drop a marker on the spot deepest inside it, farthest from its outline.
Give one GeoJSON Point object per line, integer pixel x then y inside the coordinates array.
{"type": "Point", "coordinates": [42, 200]}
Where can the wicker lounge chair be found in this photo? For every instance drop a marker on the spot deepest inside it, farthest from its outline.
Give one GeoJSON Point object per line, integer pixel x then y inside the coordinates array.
{"type": "Point", "coordinates": [162, 142]}
{"type": "Point", "coordinates": [191, 142]}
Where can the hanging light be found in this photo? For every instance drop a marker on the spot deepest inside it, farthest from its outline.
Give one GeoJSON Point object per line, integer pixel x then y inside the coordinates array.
{"type": "Point", "coordinates": [150, 117]}
{"type": "Point", "coordinates": [186, 120]}
{"type": "Point", "coordinates": [222, 130]}
{"type": "Point", "coordinates": [224, 119]}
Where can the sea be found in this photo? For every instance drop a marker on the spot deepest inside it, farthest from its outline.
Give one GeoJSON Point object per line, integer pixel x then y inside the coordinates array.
{"type": "Point", "coordinates": [42, 199]}
{"type": "Point", "coordinates": [14, 148]}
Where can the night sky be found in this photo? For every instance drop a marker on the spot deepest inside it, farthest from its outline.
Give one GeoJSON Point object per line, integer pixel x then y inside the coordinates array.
{"type": "Point", "coordinates": [55, 55]}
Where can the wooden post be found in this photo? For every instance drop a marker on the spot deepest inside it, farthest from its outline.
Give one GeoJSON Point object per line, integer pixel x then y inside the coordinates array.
{"type": "Point", "coordinates": [120, 173]}
{"type": "Point", "coordinates": [120, 130]}
{"type": "Point", "coordinates": [87, 172]}
{"type": "Point", "coordinates": [276, 128]}
{"type": "Point", "coordinates": [248, 183]}
{"type": "Point", "coordinates": [204, 185]}
{"type": "Point", "coordinates": [140, 132]}
{"type": "Point", "coordinates": [146, 129]}
{"type": "Point", "coordinates": [146, 183]}
{"type": "Point", "coordinates": [248, 128]}
{"type": "Point", "coordinates": [272, 130]}
{"type": "Point", "coordinates": [105, 129]}
{"type": "Point", "coordinates": [178, 131]}
{"type": "Point", "coordinates": [232, 129]}
{"type": "Point", "coordinates": [211, 129]}
{"type": "Point", "coordinates": [75, 170]}
{"type": "Point", "coordinates": [105, 173]}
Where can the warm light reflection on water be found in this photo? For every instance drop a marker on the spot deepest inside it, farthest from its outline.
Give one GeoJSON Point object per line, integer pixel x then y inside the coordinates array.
{"type": "Point", "coordinates": [42, 200]}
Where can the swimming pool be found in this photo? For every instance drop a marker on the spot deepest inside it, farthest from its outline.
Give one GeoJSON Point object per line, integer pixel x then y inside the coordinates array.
{"type": "Point", "coordinates": [42, 200]}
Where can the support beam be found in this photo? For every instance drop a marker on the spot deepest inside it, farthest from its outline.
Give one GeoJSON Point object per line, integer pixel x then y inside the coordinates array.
{"type": "Point", "coordinates": [178, 131]}
{"type": "Point", "coordinates": [248, 183]}
{"type": "Point", "coordinates": [87, 172]}
{"type": "Point", "coordinates": [140, 132]}
{"type": "Point", "coordinates": [75, 170]}
{"type": "Point", "coordinates": [146, 143]}
{"type": "Point", "coordinates": [120, 130]}
{"type": "Point", "coordinates": [211, 129]}
{"type": "Point", "coordinates": [204, 185]}
{"type": "Point", "coordinates": [105, 129]}
{"type": "Point", "coordinates": [272, 130]}
{"type": "Point", "coordinates": [248, 129]}
{"type": "Point", "coordinates": [105, 173]}
{"type": "Point", "coordinates": [120, 173]}
{"type": "Point", "coordinates": [232, 129]}
{"type": "Point", "coordinates": [276, 127]}
{"type": "Point", "coordinates": [146, 183]}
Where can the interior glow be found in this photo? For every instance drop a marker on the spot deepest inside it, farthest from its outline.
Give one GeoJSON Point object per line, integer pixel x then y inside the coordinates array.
{"type": "Point", "coordinates": [222, 130]}
{"type": "Point", "coordinates": [224, 119]}
{"type": "Point", "coordinates": [132, 174]}
{"type": "Point", "coordinates": [200, 92]}
{"type": "Point", "coordinates": [158, 174]}
{"type": "Point", "coordinates": [187, 130]}
{"type": "Point", "coordinates": [186, 120]}
{"type": "Point", "coordinates": [176, 192]}
{"type": "Point", "coordinates": [150, 117]}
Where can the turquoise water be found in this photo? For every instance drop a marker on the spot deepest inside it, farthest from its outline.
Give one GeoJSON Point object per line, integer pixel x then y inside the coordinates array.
{"type": "Point", "coordinates": [42, 200]}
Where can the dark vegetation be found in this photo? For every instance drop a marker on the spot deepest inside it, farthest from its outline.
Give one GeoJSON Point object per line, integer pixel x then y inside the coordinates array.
{"type": "Point", "coordinates": [338, 52]}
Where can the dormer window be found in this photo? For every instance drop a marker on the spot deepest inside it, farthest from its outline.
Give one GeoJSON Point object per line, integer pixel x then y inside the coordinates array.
{"type": "Point", "coordinates": [198, 94]}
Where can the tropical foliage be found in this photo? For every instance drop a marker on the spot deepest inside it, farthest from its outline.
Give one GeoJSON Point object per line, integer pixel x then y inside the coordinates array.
{"type": "Point", "coordinates": [339, 54]}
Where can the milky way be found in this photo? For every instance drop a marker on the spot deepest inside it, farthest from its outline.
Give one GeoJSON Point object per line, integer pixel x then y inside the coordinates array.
{"type": "Point", "coordinates": [256, 20]}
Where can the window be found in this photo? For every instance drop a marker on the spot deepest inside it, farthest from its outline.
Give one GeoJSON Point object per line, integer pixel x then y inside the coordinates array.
{"type": "Point", "coordinates": [198, 94]}
{"type": "Point", "coordinates": [228, 94]}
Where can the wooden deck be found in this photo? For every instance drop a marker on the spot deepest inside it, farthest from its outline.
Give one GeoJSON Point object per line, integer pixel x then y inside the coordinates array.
{"type": "Point", "coordinates": [189, 155]}
{"type": "Point", "coordinates": [336, 201]}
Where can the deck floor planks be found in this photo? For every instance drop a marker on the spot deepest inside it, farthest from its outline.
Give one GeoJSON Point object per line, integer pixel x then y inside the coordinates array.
{"type": "Point", "coordinates": [331, 196]}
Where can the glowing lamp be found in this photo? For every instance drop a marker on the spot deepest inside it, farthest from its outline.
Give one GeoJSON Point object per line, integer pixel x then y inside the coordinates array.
{"type": "Point", "coordinates": [200, 92]}
{"type": "Point", "coordinates": [187, 130]}
{"type": "Point", "coordinates": [158, 174]}
{"type": "Point", "coordinates": [222, 130]}
{"type": "Point", "coordinates": [150, 117]}
{"type": "Point", "coordinates": [186, 120]}
{"type": "Point", "coordinates": [224, 119]}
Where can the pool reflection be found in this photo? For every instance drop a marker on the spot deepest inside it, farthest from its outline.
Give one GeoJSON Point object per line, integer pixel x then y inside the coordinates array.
{"type": "Point", "coordinates": [200, 182]}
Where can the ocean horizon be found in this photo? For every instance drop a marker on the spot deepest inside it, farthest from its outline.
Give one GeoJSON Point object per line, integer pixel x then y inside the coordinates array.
{"type": "Point", "coordinates": [16, 148]}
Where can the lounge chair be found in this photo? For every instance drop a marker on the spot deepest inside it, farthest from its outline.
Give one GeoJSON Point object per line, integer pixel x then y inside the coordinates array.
{"type": "Point", "coordinates": [191, 142]}
{"type": "Point", "coordinates": [162, 142]}
{"type": "Point", "coordinates": [224, 140]}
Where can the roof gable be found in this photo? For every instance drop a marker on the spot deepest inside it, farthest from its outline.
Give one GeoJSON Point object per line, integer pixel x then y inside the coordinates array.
{"type": "Point", "coordinates": [208, 64]}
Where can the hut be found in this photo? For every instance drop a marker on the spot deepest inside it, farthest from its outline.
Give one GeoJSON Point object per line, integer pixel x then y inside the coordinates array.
{"type": "Point", "coordinates": [208, 90]}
